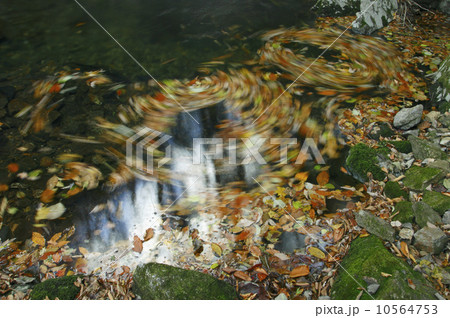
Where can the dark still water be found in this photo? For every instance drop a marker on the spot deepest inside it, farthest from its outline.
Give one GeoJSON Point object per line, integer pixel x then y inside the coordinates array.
{"type": "Point", "coordinates": [169, 38]}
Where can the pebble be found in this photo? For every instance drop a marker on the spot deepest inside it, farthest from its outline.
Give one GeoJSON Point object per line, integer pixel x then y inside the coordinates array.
{"type": "Point", "coordinates": [431, 240]}
{"type": "Point", "coordinates": [372, 288]}
{"type": "Point", "coordinates": [406, 234]}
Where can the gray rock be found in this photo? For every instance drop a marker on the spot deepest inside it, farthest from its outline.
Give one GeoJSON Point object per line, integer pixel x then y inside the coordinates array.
{"type": "Point", "coordinates": [324, 298]}
{"type": "Point", "coordinates": [374, 15]}
{"type": "Point", "coordinates": [440, 89]}
{"type": "Point", "coordinates": [423, 149]}
{"type": "Point", "coordinates": [444, 165]}
{"type": "Point", "coordinates": [372, 288]}
{"type": "Point", "coordinates": [281, 296]}
{"type": "Point", "coordinates": [430, 240]}
{"type": "Point", "coordinates": [432, 117]}
{"type": "Point", "coordinates": [444, 6]}
{"type": "Point", "coordinates": [164, 282]}
{"type": "Point", "coordinates": [445, 119]}
{"type": "Point", "coordinates": [446, 218]}
{"type": "Point", "coordinates": [423, 214]}
{"type": "Point", "coordinates": [439, 296]}
{"type": "Point", "coordinates": [406, 234]}
{"type": "Point", "coordinates": [375, 225]}
{"type": "Point", "coordinates": [407, 118]}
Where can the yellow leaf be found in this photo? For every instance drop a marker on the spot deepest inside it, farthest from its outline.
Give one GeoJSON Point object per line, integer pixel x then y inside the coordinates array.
{"type": "Point", "coordinates": [216, 249]}
{"type": "Point", "coordinates": [83, 251]}
{"type": "Point", "coordinates": [38, 239]}
{"type": "Point", "coordinates": [301, 176]}
{"type": "Point", "coordinates": [314, 251]}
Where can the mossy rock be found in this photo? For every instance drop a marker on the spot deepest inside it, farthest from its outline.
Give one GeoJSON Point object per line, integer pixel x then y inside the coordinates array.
{"type": "Point", "coordinates": [164, 282]}
{"type": "Point", "coordinates": [368, 257]}
{"type": "Point", "coordinates": [423, 149]}
{"type": "Point", "coordinates": [336, 8]}
{"type": "Point", "coordinates": [361, 160]}
{"type": "Point", "coordinates": [424, 214]}
{"type": "Point", "coordinates": [439, 202]}
{"type": "Point", "coordinates": [62, 288]}
{"type": "Point", "coordinates": [393, 190]}
{"type": "Point", "coordinates": [405, 212]}
{"type": "Point", "coordinates": [418, 178]}
{"type": "Point", "coordinates": [404, 146]}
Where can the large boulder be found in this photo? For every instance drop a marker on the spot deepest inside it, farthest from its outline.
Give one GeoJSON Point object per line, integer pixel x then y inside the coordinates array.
{"type": "Point", "coordinates": [418, 178]}
{"type": "Point", "coordinates": [164, 282]}
{"type": "Point", "coordinates": [423, 149]}
{"type": "Point", "coordinates": [375, 225]}
{"type": "Point", "coordinates": [440, 90]}
{"type": "Point", "coordinates": [407, 118]}
{"type": "Point", "coordinates": [62, 288]}
{"type": "Point", "coordinates": [374, 15]}
{"type": "Point", "coordinates": [362, 159]}
{"type": "Point", "coordinates": [368, 258]}
{"type": "Point", "coordinates": [336, 8]}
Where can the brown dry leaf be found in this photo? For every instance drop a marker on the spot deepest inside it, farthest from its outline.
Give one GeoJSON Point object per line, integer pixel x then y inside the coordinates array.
{"type": "Point", "coordinates": [314, 251]}
{"type": "Point", "coordinates": [38, 239]}
{"type": "Point", "coordinates": [385, 274]}
{"type": "Point", "coordinates": [299, 271]}
{"type": "Point", "coordinates": [337, 234]}
{"type": "Point", "coordinates": [243, 235]}
{"type": "Point", "coordinates": [216, 249]}
{"type": "Point", "coordinates": [242, 275]}
{"type": "Point", "coordinates": [81, 264]}
{"type": "Point", "coordinates": [323, 178]}
{"type": "Point", "coordinates": [62, 243]}
{"type": "Point", "coordinates": [55, 238]}
{"type": "Point", "coordinates": [261, 276]}
{"type": "Point", "coordinates": [255, 251]}
{"type": "Point", "coordinates": [137, 244]}
{"type": "Point", "coordinates": [229, 270]}
{"type": "Point", "coordinates": [404, 248]}
{"type": "Point", "coordinates": [411, 284]}
{"type": "Point", "coordinates": [83, 251]}
{"type": "Point", "coordinates": [148, 234]}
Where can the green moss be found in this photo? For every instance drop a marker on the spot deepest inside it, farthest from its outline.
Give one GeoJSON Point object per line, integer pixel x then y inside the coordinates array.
{"type": "Point", "coordinates": [418, 178]}
{"type": "Point", "coordinates": [439, 202]}
{"type": "Point", "coordinates": [368, 257]}
{"type": "Point", "coordinates": [405, 212]}
{"type": "Point", "coordinates": [403, 146]}
{"type": "Point", "coordinates": [164, 282]}
{"type": "Point", "coordinates": [361, 160]}
{"type": "Point", "coordinates": [393, 190]}
{"type": "Point", "coordinates": [62, 288]}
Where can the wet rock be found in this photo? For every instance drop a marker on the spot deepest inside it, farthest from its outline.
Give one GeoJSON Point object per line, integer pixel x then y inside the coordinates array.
{"type": "Point", "coordinates": [430, 240]}
{"type": "Point", "coordinates": [446, 218]}
{"type": "Point", "coordinates": [375, 225]}
{"type": "Point", "coordinates": [62, 288]}
{"type": "Point", "coordinates": [423, 214]}
{"type": "Point", "coordinates": [290, 241]}
{"type": "Point", "coordinates": [393, 190]}
{"type": "Point", "coordinates": [8, 91]}
{"type": "Point", "coordinates": [3, 101]}
{"type": "Point", "coordinates": [164, 282]}
{"type": "Point", "coordinates": [374, 15]}
{"type": "Point", "coordinates": [445, 119]}
{"type": "Point", "coordinates": [362, 159]}
{"type": "Point", "coordinates": [439, 202]}
{"type": "Point", "coordinates": [405, 212]}
{"type": "Point", "coordinates": [406, 234]}
{"type": "Point", "coordinates": [368, 257]}
{"type": "Point", "coordinates": [381, 130]}
{"type": "Point", "coordinates": [440, 89]}
{"type": "Point", "coordinates": [407, 118]}
{"type": "Point", "coordinates": [423, 149]}
{"type": "Point", "coordinates": [418, 178]}
{"type": "Point", "coordinates": [16, 105]}
{"type": "Point", "coordinates": [336, 8]}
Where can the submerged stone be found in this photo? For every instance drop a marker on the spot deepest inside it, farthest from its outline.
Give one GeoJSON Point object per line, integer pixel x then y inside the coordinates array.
{"type": "Point", "coordinates": [439, 202]}
{"type": "Point", "coordinates": [423, 214]}
{"type": "Point", "coordinates": [164, 282]}
{"type": "Point", "coordinates": [290, 241]}
{"type": "Point", "coordinates": [423, 149]}
{"type": "Point", "coordinates": [431, 240]}
{"type": "Point", "coordinates": [62, 288]}
{"type": "Point", "coordinates": [375, 225]}
{"type": "Point", "coordinates": [368, 257]}
{"type": "Point", "coordinates": [418, 178]}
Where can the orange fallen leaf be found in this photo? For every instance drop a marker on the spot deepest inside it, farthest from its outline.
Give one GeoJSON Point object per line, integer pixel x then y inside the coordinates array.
{"type": "Point", "coordinates": [137, 244]}
{"type": "Point", "coordinates": [299, 271]}
{"type": "Point", "coordinates": [242, 275]}
{"type": "Point", "coordinates": [323, 178]}
{"type": "Point", "coordinates": [148, 234]}
{"type": "Point", "coordinates": [83, 251]}
{"type": "Point", "coordinates": [261, 276]}
{"type": "Point", "coordinates": [73, 191]}
{"type": "Point", "coordinates": [229, 270]}
{"type": "Point", "coordinates": [38, 239]}
{"type": "Point", "coordinates": [255, 251]}
{"type": "Point", "coordinates": [404, 248]}
{"type": "Point", "coordinates": [13, 167]}
{"type": "Point", "coordinates": [302, 176]}
{"type": "Point", "coordinates": [47, 196]}
{"type": "Point", "coordinates": [3, 187]}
